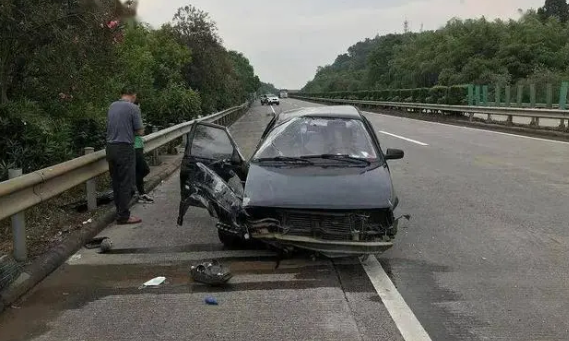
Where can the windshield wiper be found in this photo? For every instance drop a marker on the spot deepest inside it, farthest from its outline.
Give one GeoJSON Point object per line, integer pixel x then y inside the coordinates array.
{"type": "Point", "coordinates": [290, 159]}
{"type": "Point", "coordinates": [339, 157]}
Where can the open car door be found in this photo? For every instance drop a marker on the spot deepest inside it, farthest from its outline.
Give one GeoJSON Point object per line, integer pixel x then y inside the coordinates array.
{"type": "Point", "coordinates": [212, 173]}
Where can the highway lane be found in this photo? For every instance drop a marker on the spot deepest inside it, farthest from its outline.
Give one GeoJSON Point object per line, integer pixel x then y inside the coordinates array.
{"type": "Point", "coordinates": [485, 255]}
{"type": "Point", "coordinates": [97, 297]}
{"type": "Point", "coordinates": [483, 258]}
{"type": "Point", "coordinates": [494, 207]}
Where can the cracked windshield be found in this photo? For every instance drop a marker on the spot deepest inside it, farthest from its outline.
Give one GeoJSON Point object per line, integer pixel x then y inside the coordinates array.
{"type": "Point", "coordinates": [304, 137]}
{"type": "Point", "coordinates": [302, 170]}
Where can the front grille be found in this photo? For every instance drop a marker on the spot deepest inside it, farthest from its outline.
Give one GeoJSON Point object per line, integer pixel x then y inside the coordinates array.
{"type": "Point", "coordinates": [341, 225]}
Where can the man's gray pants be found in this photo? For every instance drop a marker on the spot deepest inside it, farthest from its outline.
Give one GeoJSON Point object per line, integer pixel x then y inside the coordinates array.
{"type": "Point", "coordinates": [120, 157]}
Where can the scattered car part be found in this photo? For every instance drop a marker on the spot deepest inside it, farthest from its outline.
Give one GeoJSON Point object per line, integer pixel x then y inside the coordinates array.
{"type": "Point", "coordinates": [212, 273]}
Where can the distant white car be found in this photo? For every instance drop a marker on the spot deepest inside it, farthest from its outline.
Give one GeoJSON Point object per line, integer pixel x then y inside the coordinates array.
{"type": "Point", "coordinates": [273, 100]}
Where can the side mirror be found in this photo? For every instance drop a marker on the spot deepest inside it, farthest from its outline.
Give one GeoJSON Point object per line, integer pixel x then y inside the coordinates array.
{"type": "Point", "coordinates": [394, 154]}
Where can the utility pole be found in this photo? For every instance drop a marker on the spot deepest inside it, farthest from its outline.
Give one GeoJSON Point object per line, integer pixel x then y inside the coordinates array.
{"type": "Point", "coordinates": [406, 26]}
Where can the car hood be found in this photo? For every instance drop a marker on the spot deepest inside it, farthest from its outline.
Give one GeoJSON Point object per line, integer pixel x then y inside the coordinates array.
{"type": "Point", "coordinates": [318, 187]}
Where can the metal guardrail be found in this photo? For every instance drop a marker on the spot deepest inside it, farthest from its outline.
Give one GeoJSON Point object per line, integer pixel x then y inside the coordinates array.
{"type": "Point", "coordinates": [466, 109]}
{"type": "Point", "coordinates": [28, 190]}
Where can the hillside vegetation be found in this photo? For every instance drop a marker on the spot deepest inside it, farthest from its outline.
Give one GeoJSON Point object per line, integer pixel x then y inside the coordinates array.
{"type": "Point", "coordinates": [62, 63]}
{"type": "Point", "coordinates": [532, 49]}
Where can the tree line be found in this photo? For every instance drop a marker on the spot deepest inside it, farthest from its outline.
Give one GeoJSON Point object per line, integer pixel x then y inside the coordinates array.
{"type": "Point", "coordinates": [530, 50]}
{"type": "Point", "coordinates": [63, 62]}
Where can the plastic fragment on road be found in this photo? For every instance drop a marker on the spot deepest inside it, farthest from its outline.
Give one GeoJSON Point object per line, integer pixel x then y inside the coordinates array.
{"type": "Point", "coordinates": [155, 282]}
{"type": "Point", "coordinates": [211, 301]}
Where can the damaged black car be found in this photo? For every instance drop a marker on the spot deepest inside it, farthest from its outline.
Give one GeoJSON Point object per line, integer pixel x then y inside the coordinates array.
{"type": "Point", "coordinates": [317, 181]}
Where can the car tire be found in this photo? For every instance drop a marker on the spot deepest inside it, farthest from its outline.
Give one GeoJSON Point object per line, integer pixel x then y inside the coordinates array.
{"type": "Point", "coordinates": [230, 240]}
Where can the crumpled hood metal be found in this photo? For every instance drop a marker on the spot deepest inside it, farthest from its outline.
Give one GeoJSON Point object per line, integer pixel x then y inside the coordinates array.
{"type": "Point", "coordinates": [318, 188]}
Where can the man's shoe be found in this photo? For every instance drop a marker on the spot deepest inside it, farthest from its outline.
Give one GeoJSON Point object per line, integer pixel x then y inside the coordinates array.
{"type": "Point", "coordinates": [145, 198]}
{"type": "Point", "coordinates": [130, 221]}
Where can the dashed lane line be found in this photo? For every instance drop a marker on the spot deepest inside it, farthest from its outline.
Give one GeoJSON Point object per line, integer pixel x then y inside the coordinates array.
{"type": "Point", "coordinates": [404, 138]}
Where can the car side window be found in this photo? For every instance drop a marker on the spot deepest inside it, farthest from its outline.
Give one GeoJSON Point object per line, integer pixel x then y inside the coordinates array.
{"type": "Point", "coordinates": [211, 143]}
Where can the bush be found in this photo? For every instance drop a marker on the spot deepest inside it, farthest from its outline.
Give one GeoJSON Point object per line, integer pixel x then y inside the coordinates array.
{"type": "Point", "coordinates": [438, 94]}
{"type": "Point", "coordinates": [31, 140]}
{"type": "Point", "coordinates": [454, 95]}
{"type": "Point", "coordinates": [458, 95]}
{"type": "Point", "coordinates": [173, 105]}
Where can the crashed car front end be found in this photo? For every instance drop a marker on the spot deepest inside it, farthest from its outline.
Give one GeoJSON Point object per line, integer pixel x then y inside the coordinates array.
{"type": "Point", "coordinates": [332, 233]}
{"type": "Point", "coordinates": [328, 232]}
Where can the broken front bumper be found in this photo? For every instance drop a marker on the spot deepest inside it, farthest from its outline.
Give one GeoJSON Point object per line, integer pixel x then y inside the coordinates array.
{"type": "Point", "coordinates": [327, 247]}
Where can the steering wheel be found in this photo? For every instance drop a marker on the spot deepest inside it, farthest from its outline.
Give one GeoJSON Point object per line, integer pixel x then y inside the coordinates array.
{"type": "Point", "coordinates": [221, 163]}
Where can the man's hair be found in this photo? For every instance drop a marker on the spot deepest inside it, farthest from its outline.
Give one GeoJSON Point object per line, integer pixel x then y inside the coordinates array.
{"type": "Point", "coordinates": [128, 90]}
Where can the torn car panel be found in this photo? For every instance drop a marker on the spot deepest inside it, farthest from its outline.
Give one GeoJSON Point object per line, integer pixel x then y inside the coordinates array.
{"type": "Point", "coordinates": [209, 189]}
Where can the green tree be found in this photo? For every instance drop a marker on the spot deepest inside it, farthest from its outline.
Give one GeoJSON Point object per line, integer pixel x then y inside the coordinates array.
{"type": "Point", "coordinates": [554, 9]}
{"type": "Point", "coordinates": [62, 63]}
{"type": "Point", "coordinates": [463, 51]}
{"type": "Point", "coordinates": [206, 72]}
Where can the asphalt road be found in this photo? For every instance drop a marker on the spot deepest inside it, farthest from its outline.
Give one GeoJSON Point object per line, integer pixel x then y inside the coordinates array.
{"type": "Point", "coordinates": [483, 258]}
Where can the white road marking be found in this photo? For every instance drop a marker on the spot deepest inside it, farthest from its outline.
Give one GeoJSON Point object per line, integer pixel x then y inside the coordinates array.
{"type": "Point", "coordinates": [404, 138]}
{"type": "Point", "coordinates": [407, 323]}
{"type": "Point", "coordinates": [475, 129]}
{"type": "Point", "coordinates": [506, 134]}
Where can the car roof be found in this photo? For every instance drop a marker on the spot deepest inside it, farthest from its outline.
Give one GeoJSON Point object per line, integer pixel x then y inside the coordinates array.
{"type": "Point", "coordinates": [332, 111]}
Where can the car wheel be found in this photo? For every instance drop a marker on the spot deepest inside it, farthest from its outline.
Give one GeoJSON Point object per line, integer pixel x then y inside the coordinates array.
{"type": "Point", "coordinates": [230, 240]}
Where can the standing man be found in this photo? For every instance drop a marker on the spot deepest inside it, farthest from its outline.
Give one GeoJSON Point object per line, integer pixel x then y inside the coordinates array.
{"type": "Point", "coordinates": [123, 123]}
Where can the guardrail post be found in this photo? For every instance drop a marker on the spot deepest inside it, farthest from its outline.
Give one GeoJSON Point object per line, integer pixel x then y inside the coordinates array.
{"type": "Point", "coordinates": [563, 101]}
{"type": "Point", "coordinates": [91, 186]}
{"type": "Point", "coordinates": [534, 120]}
{"type": "Point", "coordinates": [18, 227]}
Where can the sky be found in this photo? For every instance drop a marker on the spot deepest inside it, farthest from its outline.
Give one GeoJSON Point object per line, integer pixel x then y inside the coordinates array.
{"type": "Point", "coordinates": [287, 40]}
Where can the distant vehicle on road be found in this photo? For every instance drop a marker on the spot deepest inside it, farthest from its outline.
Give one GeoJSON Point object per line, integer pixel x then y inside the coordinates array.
{"type": "Point", "coordinates": [318, 181]}
{"type": "Point", "coordinates": [283, 94]}
{"type": "Point", "coordinates": [263, 99]}
{"type": "Point", "coordinates": [272, 99]}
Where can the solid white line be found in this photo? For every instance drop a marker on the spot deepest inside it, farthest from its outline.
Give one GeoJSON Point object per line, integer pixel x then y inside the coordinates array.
{"type": "Point", "coordinates": [481, 129]}
{"type": "Point", "coordinates": [403, 138]}
{"type": "Point", "coordinates": [407, 323]}
{"type": "Point", "coordinates": [505, 134]}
